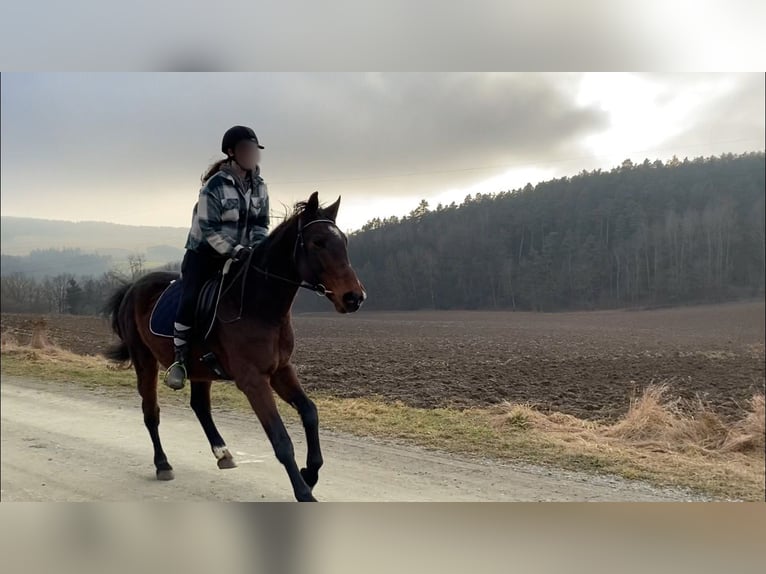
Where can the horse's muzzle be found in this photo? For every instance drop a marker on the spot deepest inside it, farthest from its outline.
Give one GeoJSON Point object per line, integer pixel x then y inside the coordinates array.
{"type": "Point", "coordinates": [352, 300]}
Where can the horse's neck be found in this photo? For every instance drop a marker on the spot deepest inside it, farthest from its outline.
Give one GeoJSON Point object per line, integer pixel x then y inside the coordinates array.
{"type": "Point", "coordinates": [272, 298]}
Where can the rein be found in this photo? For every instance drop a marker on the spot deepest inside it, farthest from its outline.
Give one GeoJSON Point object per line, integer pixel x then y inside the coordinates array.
{"type": "Point", "coordinates": [317, 287]}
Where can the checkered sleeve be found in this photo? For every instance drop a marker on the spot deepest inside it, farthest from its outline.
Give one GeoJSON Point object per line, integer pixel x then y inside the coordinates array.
{"type": "Point", "coordinates": [209, 217]}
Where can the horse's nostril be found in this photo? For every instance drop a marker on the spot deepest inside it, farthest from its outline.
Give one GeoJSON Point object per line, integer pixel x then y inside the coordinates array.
{"type": "Point", "coordinates": [351, 298]}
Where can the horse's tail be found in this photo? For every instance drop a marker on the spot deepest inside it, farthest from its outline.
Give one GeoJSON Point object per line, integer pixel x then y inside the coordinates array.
{"type": "Point", "coordinates": [119, 352]}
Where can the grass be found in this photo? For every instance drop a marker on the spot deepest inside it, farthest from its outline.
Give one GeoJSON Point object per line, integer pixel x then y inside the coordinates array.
{"type": "Point", "coordinates": [657, 440]}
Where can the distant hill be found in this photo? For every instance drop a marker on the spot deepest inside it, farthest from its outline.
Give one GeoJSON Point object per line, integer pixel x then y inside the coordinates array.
{"type": "Point", "coordinates": [39, 247]}
{"type": "Point", "coordinates": [53, 262]}
{"type": "Point", "coordinates": [22, 235]}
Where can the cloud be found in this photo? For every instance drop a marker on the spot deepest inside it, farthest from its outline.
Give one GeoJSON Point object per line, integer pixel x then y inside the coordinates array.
{"type": "Point", "coordinates": [132, 146]}
{"type": "Point", "coordinates": [492, 34]}
{"type": "Point", "coordinates": [720, 113]}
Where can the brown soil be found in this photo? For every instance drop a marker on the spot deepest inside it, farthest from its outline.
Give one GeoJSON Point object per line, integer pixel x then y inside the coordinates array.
{"type": "Point", "coordinates": [587, 364]}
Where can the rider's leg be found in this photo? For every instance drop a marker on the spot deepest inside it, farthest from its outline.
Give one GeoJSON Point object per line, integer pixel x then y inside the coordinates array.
{"type": "Point", "coordinates": [192, 272]}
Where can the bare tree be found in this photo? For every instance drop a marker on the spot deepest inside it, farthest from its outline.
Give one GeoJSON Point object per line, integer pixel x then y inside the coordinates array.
{"type": "Point", "coordinates": [136, 263]}
{"type": "Point", "coordinates": [54, 290]}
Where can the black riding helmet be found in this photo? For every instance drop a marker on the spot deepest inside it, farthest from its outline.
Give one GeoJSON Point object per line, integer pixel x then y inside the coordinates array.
{"type": "Point", "coordinates": [237, 134]}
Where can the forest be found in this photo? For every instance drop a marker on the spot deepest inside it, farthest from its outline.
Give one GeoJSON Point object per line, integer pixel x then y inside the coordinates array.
{"type": "Point", "coordinates": [649, 234]}
{"type": "Point", "coordinates": [638, 235]}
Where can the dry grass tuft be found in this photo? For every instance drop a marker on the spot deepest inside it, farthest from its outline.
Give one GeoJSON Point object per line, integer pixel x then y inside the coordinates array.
{"type": "Point", "coordinates": [512, 416]}
{"type": "Point", "coordinates": [748, 434]}
{"type": "Point", "coordinates": [39, 336]}
{"type": "Point", "coordinates": [40, 349]}
{"type": "Point", "coordinates": [659, 438]}
{"type": "Point", "coordinates": [654, 421]}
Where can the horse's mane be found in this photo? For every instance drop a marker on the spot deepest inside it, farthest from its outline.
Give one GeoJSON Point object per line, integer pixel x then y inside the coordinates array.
{"type": "Point", "coordinates": [280, 230]}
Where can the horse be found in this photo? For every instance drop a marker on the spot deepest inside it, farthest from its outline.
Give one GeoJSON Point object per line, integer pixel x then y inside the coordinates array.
{"type": "Point", "coordinates": [252, 335]}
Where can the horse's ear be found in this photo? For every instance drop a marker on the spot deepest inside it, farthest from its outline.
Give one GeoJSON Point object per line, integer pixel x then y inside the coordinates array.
{"type": "Point", "coordinates": [313, 203]}
{"type": "Point", "coordinates": [332, 210]}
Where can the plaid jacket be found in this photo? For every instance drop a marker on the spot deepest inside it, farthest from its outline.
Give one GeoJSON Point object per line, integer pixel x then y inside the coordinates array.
{"type": "Point", "coordinates": [224, 219]}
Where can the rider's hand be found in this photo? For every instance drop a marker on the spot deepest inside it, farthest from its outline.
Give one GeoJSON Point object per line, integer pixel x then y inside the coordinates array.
{"type": "Point", "coordinates": [242, 254]}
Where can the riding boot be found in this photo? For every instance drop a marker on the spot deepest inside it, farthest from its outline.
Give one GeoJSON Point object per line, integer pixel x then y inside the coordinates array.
{"type": "Point", "coordinates": [177, 372]}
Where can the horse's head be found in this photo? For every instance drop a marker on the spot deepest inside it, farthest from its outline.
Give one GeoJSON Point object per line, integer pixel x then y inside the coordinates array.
{"type": "Point", "coordinates": [322, 256]}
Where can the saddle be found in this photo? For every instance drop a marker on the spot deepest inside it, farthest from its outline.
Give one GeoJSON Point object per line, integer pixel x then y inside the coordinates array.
{"type": "Point", "coordinates": [164, 312]}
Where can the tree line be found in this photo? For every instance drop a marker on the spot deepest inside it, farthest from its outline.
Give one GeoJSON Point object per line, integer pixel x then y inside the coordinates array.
{"type": "Point", "coordinates": [66, 292]}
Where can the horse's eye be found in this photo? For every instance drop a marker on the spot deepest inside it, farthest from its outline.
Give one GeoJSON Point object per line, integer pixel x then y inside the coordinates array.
{"type": "Point", "coordinates": [320, 243]}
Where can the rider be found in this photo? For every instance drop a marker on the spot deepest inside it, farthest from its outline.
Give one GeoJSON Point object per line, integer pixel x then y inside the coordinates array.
{"type": "Point", "coordinates": [229, 219]}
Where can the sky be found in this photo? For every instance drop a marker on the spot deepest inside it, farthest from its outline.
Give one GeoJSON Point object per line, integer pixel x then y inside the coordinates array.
{"type": "Point", "coordinates": [130, 148]}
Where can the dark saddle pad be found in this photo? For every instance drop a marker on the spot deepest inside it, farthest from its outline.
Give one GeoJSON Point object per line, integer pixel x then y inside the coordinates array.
{"type": "Point", "coordinates": [164, 312]}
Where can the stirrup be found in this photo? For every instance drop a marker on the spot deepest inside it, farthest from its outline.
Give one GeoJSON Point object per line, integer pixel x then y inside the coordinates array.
{"type": "Point", "coordinates": [167, 372]}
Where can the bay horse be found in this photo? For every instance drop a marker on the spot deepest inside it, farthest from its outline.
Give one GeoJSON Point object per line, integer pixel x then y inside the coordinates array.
{"type": "Point", "coordinates": [306, 250]}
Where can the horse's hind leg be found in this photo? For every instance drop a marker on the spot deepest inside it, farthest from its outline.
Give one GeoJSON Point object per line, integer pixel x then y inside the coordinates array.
{"type": "Point", "coordinates": [146, 372]}
{"type": "Point", "coordinates": [200, 404]}
{"type": "Point", "coordinates": [285, 383]}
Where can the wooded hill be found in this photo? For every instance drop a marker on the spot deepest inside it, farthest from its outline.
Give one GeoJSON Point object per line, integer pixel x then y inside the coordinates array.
{"type": "Point", "coordinates": [638, 235]}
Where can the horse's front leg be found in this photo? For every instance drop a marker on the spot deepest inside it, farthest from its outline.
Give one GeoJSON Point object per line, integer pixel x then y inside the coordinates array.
{"type": "Point", "coordinates": [257, 389]}
{"type": "Point", "coordinates": [285, 383]}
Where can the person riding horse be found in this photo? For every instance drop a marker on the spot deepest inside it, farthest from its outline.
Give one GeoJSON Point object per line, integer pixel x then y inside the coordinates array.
{"type": "Point", "coordinates": [229, 219]}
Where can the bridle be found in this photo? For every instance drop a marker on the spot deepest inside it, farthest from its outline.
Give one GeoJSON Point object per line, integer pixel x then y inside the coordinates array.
{"type": "Point", "coordinates": [316, 286]}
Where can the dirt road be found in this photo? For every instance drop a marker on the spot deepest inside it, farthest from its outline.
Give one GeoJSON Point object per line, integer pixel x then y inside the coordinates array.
{"type": "Point", "coordinates": [60, 442]}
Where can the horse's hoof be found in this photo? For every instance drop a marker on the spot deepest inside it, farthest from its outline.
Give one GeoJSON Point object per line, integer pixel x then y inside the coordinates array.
{"type": "Point", "coordinates": [226, 462]}
{"type": "Point", "coordinates": [165, 474]}
{"type": "Point", "coordinates": [309, 498]}
{"type": "Point", "coordinates": [223, 457]}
